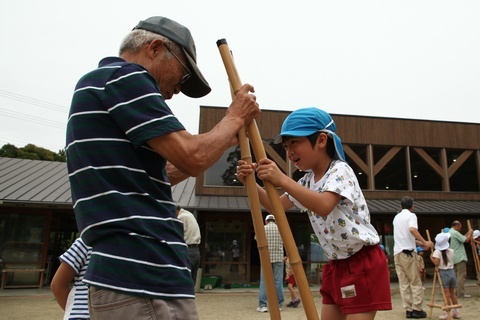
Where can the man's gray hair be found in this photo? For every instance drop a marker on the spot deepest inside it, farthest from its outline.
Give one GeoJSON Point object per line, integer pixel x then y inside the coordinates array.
{"type": "Point", "coordinates": [406, 202]}
{"type": "Point", "coordinates": [139, 37]}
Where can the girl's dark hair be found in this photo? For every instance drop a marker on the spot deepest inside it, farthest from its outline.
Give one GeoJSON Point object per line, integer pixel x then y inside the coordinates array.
{"type": "Point", "coordinates": [444, 256]}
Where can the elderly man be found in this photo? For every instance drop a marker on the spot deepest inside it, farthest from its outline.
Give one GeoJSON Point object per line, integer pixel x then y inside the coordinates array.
{"type": "Point", "coordinates": [457, 243]}
{"type": "Point", "coordinates": [406, 236]}
{"type": "Point", "coordinates": [192, 236]}
{"type": "Point", "coordinates": [125, 150]}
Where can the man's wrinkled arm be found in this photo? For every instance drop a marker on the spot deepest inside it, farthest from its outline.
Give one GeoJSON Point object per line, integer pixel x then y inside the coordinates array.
{"type": "Point", "coordinates": [174, 175]}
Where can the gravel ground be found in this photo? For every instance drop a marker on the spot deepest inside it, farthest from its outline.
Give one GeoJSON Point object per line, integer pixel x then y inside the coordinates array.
{"type": "Point", "coordinates": [16, 304]}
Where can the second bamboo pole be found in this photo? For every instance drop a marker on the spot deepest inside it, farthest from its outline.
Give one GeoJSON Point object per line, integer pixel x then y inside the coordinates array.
{"type": "Point", "coordinates": [277, 208]}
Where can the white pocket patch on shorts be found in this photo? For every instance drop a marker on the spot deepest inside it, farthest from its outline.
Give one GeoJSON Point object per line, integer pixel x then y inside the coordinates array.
{"type": "Point", "coordinates": [349, 291]}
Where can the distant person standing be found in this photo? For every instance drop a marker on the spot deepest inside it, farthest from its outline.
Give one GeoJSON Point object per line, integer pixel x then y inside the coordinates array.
{"type": "Point", "coordinates": [476, 239]}
{"type": "Point", "coordinates": [421, 265]}
{"type": "Point", "coordinates": [235, 250]}
{"type": "Point", "coordinates": [275, 248]}
{"type": "Point", "coordinates": [291, 283]}
{"type": "Point", "coordinates": [191, 234]}
{"type": "Point", "coordinates": [405, 235]}
{"type": "Point", "coordinates": [457, 243]}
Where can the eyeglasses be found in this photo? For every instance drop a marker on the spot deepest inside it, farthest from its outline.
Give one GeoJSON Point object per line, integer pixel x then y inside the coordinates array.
{"type": "Point", "coordinates": [187, 75]}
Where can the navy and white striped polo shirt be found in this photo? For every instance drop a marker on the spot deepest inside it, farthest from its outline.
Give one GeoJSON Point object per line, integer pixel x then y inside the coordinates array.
{"type": "Point", "coordinates": [121, 194]}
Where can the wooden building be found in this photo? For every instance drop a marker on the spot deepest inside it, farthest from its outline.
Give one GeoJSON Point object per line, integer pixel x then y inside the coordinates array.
{"type": "Point", "coordinates": [437, 163]}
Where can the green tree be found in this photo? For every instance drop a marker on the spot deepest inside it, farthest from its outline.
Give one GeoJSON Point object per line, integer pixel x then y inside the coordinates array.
{"type": "Point", "coordinates": [229, 176]}
{"type": "Point", "coordinates": [31, 151]}
{"type": "Point", "coordinates": [8, 151]}
{"type": "Point", "coordinates": [61, 156]}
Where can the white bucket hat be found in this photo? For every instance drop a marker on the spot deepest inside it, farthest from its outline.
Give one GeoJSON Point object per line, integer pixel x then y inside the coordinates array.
{"type": "Point", "coordinates": [476, 234]}
{"type": "Point", "coordinates": [441, 241]}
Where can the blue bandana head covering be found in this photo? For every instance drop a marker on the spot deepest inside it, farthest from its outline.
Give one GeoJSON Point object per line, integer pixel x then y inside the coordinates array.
{"type": "Point", "coordinates": [307, 121]}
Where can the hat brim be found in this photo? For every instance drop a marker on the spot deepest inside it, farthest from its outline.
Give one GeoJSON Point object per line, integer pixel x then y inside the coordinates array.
{"type": "Point", "coordinates": [296, 133]}
{"type": "Point", "coordinates": [196, 86]}
{"type": "Point", "coordinates": [442, 247]}
{"type": "Point", "coordinates": [339, 154]}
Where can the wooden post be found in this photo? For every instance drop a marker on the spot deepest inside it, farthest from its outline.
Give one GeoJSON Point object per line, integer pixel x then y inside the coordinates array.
{"type": "Point", "coordinates": [474, 252]}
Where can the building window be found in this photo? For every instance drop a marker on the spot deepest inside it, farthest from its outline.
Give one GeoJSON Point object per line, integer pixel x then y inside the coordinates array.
{"type": "Point", "coordinates": [465, 177]}
{"type": "Point", "coordinates": [424, 177]}
{"type": "Point", "coordinates": [222, 173]}
{"type": "Point", "coordinates": [361, 152]}
{"type": "Point", "coordinates": [393, 175]}
{"type": "Point", "coordinates": [226, 249]}
{"type": "Point", "coordinates": [21, 245]}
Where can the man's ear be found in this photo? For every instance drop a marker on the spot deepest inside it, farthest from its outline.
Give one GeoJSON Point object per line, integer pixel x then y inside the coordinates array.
{"type": "Point", "coordinates": [155, 48]}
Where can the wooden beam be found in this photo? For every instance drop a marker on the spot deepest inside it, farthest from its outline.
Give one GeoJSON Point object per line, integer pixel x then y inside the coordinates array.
{"type": "Point", "coordinates": [435, 166]}
{"type": "Point", "coordinates": [275, 156]}
{"type": "Point", "coordinates": [460, 161]}
{"type": "Point", "coordinates": [358, 161]}
{"type": "Point", "coordinates": [385, 159]}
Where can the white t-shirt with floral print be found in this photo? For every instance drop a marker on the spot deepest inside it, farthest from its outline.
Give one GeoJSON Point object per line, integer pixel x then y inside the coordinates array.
{"type": "Point", "coordinates": [347, 228]}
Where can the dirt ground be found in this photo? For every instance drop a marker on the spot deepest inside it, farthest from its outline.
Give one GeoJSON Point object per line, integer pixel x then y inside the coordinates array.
{"type": "Point", "coordinates": [16, 304]}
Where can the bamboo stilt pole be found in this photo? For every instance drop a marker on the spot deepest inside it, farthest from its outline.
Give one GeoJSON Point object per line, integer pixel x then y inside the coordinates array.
{"type": "Point", "coordinates": [256, 212]}
{"type": "Point", "coordinates": [476, 258]}
{"type": "Point", "coordinates": [278, 211]}
{"type": "Point", "coordinates": [432, 298]}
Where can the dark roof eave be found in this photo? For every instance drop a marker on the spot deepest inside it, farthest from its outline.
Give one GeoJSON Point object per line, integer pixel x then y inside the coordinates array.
{"type": "Point", "coordinates": [33, 204]}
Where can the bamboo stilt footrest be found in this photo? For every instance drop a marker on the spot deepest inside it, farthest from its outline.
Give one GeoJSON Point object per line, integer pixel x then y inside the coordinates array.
{"type": "Point", "coordinates": [445, 308]}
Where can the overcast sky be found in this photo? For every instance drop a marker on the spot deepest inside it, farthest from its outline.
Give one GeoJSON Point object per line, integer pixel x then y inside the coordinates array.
{"type": "Point", "coordinates": [405, 59]}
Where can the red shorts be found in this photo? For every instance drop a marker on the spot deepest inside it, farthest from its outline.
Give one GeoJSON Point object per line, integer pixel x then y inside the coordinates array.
{"type": "Point", "coordinates": [358, 284]}
{"type": "Point", "coordinates": [291, 280]}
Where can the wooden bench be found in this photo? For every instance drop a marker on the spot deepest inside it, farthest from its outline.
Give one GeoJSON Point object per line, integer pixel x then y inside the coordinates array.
{"type": "Point", "coordinates": [5, 271]}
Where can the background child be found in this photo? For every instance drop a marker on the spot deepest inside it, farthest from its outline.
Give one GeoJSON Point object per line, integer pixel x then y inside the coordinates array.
{"type": "Point", "coordinates": [476, 240]}
{"type": "Point", "coordinates": [386, 254]}
{"type": "Point", "coordinates": [329, 193]}
{"type": "Point", "coordinates": [291, 283]}
{"type": "Point", "coordinates": [442, 258]}
{"type": "Point", "coordinates": [421, 265]}
{"type": "Point", "coordinates": [73, 266]}
{"type": "Point", "coordinates": [235, 250]}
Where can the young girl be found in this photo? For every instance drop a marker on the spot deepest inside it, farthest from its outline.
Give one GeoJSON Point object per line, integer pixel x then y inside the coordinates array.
{"type": "Point", "coordinates": [291, 283]}
{"type": "Point", "coordinates": [476, 240]}
{"type": "Point", "coordinates": [442, 258]}
{"type": "Point", "coordinates": [331, 196]}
